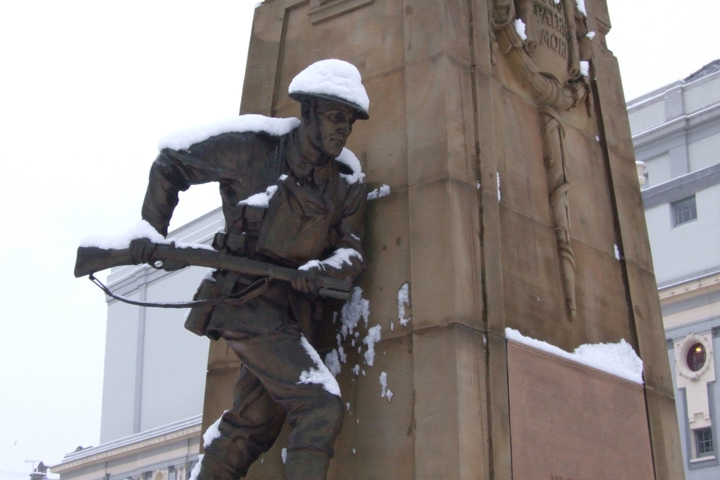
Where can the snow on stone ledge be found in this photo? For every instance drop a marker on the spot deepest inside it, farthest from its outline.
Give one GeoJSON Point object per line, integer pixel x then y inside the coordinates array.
{"type": "Point", "coordinates": [184, 139]}
{"type": "Point", "coordinates": [617, 359]}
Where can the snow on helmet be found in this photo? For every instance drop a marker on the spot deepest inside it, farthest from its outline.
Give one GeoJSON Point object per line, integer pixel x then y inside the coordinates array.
{"type": "Point", "coordinates": [334, 80]}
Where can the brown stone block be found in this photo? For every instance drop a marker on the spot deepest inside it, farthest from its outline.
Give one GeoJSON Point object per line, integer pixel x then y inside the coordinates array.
{"type": "Point", "coordinates": [489, 117]}
{"type": "Point", "coordinates": [584, 119]}
{"type": "Point", "coordinates": [664, 436]}
{"type": "Point", "coordinates": [377, 441]}
{"type": "Point", "coordinates": [610, 95]}
{"type": "Point", "coordinates": [371, 38]}
{"type": "Point", "coordinates": [220, 356]}
{"type": "Point", "coordinates": [630, 212]}
{"type": "Point", "coordinates": [387, 247]}
{"type": "Point", "coordinates": [219, 387]}
{"type": "Point", "coordinates": [572, 421]}
{"type": "Point", "coordinates": [499, 406]}
{"type": "Point", "coordinates": [492, 273]}
{"type": "Point", "coordinates": [270, 465]}
{"type": "Point", "coordinates": [376, 141]}
{"type": "Point", "coordinates": [445, 254]}
{"type": "Point", "coordinates": [482, 33]}
{"type": "Point", "coordinates": [534, 301]}
{"type": "Point", "coordinates": [474, 432]}
{"type": "Point", "coordinates": [506, 77]}
{"type": "Point", "coordinates": [448, 372]}
{"type": "Point", "coordinates": [648, 325]}
{"type": "Point", "coordinates": [433, 27]}
{"type": "Point", "coordinates": [440, 132]}
{"type": "Point", "coordinates": [592, 219]}
{"type": "Point", "coordinates": [601, 299]}
{"type": "Point", "coordinates": [262, 62]}
{"type": "Point", "coordinates": [523, 180]}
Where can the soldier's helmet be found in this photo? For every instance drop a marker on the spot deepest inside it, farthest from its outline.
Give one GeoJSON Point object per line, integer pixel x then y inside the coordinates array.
{"type": "Point", "coordinates": [334, 80]}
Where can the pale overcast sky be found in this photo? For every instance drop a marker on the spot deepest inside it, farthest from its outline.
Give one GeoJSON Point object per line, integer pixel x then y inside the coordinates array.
{"type": "Point", "coordinates": [87, 90]}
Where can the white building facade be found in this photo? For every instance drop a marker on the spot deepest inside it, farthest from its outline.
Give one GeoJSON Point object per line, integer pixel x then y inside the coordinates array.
{"type": "Point", "coordinates": [154, 376]}
{"type": "Point", "coordinates": [676, 135]}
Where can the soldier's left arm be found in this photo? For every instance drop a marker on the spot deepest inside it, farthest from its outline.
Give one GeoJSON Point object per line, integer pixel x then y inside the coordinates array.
{"type": "Point", "coordinates": [346, 258]}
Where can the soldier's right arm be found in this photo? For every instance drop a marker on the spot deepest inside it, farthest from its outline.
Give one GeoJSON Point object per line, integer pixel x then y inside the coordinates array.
{"type": "Point", "coordinates": [174, 171]}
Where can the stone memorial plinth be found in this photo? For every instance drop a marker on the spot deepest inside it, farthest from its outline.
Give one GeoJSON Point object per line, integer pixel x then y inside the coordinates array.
{"type": "Point", "coordinates": [500, 129]}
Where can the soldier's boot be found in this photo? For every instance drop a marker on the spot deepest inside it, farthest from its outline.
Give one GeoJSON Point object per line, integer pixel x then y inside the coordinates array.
{"type": "Point", "coordinates": [212, 469]}
{"type": "Point", "coordinates": [229, 456]}
{"type": "Point", "coordinates": [302, 464]}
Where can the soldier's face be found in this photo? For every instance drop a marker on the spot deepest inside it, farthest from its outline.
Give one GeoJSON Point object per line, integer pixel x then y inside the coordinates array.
{"type": "Point", "coordinates": [333, 124]}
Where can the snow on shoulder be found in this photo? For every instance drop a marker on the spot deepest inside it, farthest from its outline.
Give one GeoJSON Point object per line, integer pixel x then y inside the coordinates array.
{"type": "Point", "coordinates": [349, 159]}
{"type": "Point", "coordinates": [184, 139]}
{"type": "Point", "coordinates": [617, 359]}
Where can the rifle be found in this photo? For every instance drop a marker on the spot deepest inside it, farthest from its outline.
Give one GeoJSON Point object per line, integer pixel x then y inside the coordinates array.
{"type": "Point", "coordinates": [94, 259]}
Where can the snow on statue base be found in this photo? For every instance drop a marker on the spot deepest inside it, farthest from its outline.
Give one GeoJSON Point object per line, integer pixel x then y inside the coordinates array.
{"type": "Point", "coordinates": [513, 202]}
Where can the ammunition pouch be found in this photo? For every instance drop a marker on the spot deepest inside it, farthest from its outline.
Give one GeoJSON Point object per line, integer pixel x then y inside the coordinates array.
{"type": "Point", "coordinates": [235, 243]}
{"type": "Point", "coordinates": [198, 318]}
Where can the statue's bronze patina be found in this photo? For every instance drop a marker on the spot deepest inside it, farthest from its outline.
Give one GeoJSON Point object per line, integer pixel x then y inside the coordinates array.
{"type": "Point", "coordinates": [315, 213]}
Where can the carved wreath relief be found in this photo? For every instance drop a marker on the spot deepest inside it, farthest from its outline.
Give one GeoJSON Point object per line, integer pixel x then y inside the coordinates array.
{"type": "Point", "coordinates": [545, 43]}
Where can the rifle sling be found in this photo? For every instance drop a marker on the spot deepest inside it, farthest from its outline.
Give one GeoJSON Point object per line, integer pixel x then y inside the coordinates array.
{"type": "Point", "coordinates": [256, 288]}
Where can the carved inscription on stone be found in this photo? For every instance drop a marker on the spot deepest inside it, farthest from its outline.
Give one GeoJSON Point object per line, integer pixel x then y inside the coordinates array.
{"type": "Point", "coordinates": [553, 31]}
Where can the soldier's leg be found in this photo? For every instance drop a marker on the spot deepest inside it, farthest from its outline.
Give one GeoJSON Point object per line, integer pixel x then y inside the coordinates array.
{"type": "Point", "coordinates": [308, 392]}
{"type": "Point", "coordinates": [245, 432]}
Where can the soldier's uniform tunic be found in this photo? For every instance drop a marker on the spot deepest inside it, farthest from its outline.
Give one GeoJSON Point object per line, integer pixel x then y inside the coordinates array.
{"type": "Point", "coordinates": [314, 211]}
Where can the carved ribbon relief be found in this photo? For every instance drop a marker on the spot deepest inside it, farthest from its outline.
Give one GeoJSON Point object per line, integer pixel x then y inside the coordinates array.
{"type": "Point", "coordinates": [554, 156]}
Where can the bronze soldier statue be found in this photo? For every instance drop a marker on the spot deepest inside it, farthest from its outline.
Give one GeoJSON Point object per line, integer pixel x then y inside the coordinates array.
{"type": "Point", "coordinates": [291, 197]}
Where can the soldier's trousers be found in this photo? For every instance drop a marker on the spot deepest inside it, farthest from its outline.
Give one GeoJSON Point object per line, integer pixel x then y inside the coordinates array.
{"type": "Point", "coordinates": [267, 393]}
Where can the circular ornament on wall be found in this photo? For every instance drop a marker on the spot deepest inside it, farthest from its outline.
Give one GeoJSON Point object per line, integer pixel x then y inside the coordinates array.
{"type": "Point", "coordinates": [695, 357]}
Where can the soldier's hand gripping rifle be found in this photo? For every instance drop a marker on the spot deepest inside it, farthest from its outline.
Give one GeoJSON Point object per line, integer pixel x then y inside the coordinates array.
{"type": "Point", "coordinates": [171, 257]}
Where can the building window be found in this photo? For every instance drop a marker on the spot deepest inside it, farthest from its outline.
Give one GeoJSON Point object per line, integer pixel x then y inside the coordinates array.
{"type": "Point", "coordinates": [683, 211]}
{"type": "Point", "coordinates": [703, 442]}
{"type": "Point", "coordinates": [696, 357]}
